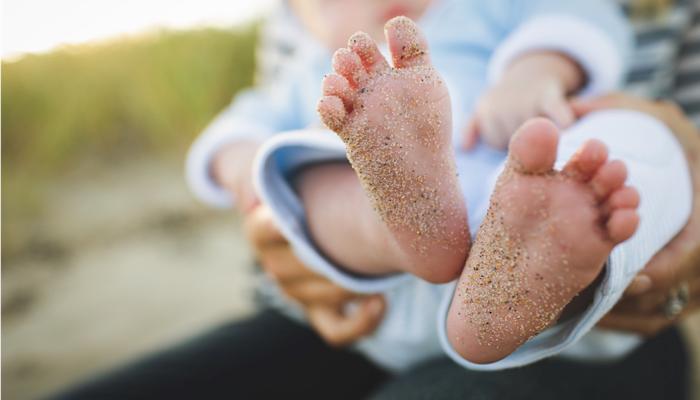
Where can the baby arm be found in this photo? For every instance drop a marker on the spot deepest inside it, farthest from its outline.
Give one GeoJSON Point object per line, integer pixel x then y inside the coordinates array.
{"type": "Point", "coordinates": [231, 169]}
{"type": "Point", "coordinates": [219, 162]}
{"type": "Point", "coordinates": [553, 49]}
{"type": "Point", "coordinates": [535, 84]}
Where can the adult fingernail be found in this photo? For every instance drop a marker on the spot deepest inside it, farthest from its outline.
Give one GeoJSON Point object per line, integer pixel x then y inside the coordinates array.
{"type": "Point", "coordinates": [640, 284]}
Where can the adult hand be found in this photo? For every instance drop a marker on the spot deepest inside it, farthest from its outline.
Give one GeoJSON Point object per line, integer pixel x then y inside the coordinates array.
{"type": "Point", "coordinates": [340, 317]}
{"type": "Point", "coordinates": [677, 265]}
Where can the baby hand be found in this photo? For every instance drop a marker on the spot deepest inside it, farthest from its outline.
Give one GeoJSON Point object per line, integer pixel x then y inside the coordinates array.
{"type": "Point", "coordinates": [508, 105]}
{"type": "Point", "coordinates": [535, 85]}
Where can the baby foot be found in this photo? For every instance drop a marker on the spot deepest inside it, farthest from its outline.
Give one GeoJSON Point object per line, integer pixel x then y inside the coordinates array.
{"type": "Point", "coordinates": [396, 123]}
{"type": "Point", "coordinates": [545, 238]}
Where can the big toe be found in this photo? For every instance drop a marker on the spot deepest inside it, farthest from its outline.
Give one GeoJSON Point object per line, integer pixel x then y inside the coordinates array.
{"type": "Point", "coordinates": [533, 148]}
{"type": "Point", "coordinates": [407, 44]}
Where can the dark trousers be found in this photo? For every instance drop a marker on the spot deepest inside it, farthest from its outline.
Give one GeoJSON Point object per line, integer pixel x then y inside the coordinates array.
{"type": "Point", "coordinates": [266, 356]}
{"type": "Point", "coordinates": [658, 370]}
{"type": "Point", "coordinates": [269, 356]}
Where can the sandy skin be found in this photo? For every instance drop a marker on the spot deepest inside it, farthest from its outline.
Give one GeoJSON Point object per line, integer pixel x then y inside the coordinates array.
{"type": "Point", "coordinates": [396, 124]}
{"type": "Point", "coordinates": [545, 238]}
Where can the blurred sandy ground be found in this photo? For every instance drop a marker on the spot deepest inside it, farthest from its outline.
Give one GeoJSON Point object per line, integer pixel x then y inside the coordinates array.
{"type": "Point", "coordinates": [125, 262]}
{"type": "Point", "coordinates": [105, 253]}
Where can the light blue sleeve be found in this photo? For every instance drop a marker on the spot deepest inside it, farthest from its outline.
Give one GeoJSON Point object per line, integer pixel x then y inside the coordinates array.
{"type": "Point", "coordinates": [274, 164]}
{"type": "Point", "coordinates": [607, 15]}
{"type": "Point", "coordinates": [260, 112]}
{"type": "Point", "coordinates": [595, 33]}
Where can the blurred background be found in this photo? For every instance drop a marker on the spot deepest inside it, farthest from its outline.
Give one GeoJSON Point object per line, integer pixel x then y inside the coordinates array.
{"type": "Point", "coordinates": [105, 253]}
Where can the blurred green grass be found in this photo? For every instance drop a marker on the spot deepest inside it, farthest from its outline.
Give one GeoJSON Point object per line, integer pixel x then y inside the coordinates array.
{"type": "Point", "coordinates": [103, 104]}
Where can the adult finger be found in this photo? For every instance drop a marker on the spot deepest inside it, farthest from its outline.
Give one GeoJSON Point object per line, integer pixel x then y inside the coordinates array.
{"type": "Point", "coordinates": [260, 228]}
{"type": "Point", "coordinates": [663, 268]}
{"type": "Point", "coordinates": [646, 324]}
{"type": "Point", "coordinates": [280, 262]}
{"type": "Point", "coordinates": [649, 303]}
{"type": "Point", "coordinates": [653, 301]}
{"type": "Point", "coordinates": [339, 329]}
{"type": "Point", "coordinates": [581, 107]}
{"type": "Point", "coordinates": [676, 262]}
{"type": "Point", "coordinates": [317, 291]}
{"type": "Point", "coordinates": [639, 285]}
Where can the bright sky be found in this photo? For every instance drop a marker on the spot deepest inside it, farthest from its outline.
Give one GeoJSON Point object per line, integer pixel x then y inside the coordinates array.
{"type": "Point", "coordinates": [30, 26]}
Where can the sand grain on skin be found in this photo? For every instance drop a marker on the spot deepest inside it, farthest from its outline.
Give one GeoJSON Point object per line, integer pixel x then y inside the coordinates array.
{"type": "Point", "coordinates": [500, 295]}
{"type": "Point", "coordinates": [401, 158]}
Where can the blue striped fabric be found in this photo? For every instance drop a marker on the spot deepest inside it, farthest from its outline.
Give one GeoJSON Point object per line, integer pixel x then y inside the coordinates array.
{"type": "Point", "coordinates": [666, 61]}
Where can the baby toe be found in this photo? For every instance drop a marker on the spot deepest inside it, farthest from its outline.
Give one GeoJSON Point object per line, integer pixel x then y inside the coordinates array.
{"type": "Point", "coordinates": [622, 224]}
{"type": "Point", "coordinates": [586, 161]}
{"type": "Point", "coordinates": [533, 148]}
{"type": "Point", "coordinates": [338, 86]}
{"type": "Point", "coordinates": [370, 56]}
{"type": "Point", "coordinates": [407, 44]}
{"type": "Point", "coordinates": [332, 112]}
{"type": "Point", "coordinates": [625, 197]}
{"type": "Point", "coordinates": [608, 178]}
{"type": "Point", "coordinates": [348, 64]}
